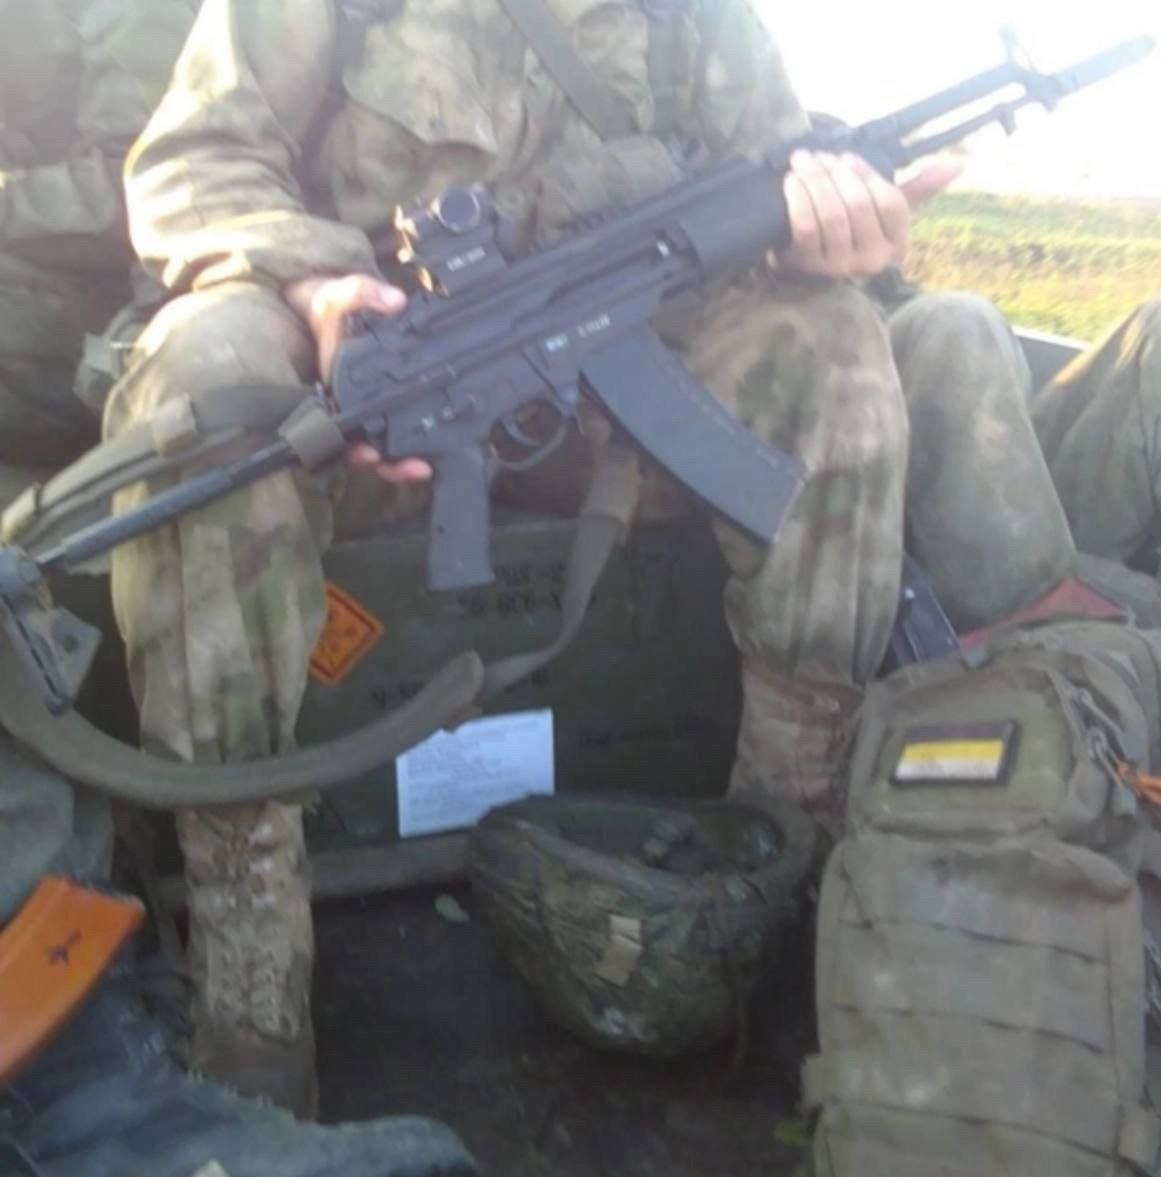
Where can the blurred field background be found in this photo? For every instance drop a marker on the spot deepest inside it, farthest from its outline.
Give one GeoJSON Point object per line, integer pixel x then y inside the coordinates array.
{"type": "Point", "coordinates": [1066, 266]}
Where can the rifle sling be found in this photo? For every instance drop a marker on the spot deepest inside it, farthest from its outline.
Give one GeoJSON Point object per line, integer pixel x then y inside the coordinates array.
{"type": "Point", "coordinates": [550, 41]}
{"type": "Point", "coordinates": [604, 520]}
{"type": "Point", "coordinates": [89, 757]}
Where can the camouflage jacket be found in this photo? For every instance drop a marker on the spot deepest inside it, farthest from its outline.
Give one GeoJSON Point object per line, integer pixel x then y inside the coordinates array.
{"type": "Point", "coordinates": [78, 80]}
{"type": "Point", "coordinates": [272, 157]}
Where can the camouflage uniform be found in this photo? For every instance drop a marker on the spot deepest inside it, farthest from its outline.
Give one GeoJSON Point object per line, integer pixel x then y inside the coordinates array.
{"type": "Point", "coordinates": [235, 190]}
{"type": "Point", "coordinates": [78, 79]}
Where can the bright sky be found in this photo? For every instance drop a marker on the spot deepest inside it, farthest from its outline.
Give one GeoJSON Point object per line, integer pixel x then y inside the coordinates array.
{"type": "Point", "coordinates": [860, 60]}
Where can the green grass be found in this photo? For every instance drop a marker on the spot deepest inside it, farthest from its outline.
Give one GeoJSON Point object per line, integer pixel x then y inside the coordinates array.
{"type": "Point", "coordinates": [1075, 268]}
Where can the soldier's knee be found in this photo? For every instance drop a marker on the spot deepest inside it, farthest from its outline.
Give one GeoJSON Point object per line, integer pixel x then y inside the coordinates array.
{"type": "Point", "coordinates": [956, 354]}
{"type": "Point", "coordinates": [239, 333]}
{"type": "Point", "coordinates": [952, 319]}
{"type": "Point", "coordinates": [236, 326]}
{"type": "Point", "coordinates": [851, 333]}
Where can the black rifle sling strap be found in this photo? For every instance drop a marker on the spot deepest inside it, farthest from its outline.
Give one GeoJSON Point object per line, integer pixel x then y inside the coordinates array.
{"type": "Point", "coordinates": [666, 58]}
{"type": "Point", "coordinates": [551, 43]}
{"type": "Point", "coordinates": [352, 19]}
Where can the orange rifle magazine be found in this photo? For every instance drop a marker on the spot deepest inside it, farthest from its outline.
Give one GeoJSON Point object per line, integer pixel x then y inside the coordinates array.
{"type": "Point", "coordinates": [52, 954]}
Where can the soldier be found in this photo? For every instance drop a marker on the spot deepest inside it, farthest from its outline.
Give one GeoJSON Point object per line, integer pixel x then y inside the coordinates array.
{"type": "Point", "coordinates": [77, 84]}
{"type": "Point", "coordinates": [289, 135]}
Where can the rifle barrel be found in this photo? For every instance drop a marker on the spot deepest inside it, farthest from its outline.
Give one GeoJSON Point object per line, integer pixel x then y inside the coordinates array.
{"type": "Point", "coordinates": [1102, 65]}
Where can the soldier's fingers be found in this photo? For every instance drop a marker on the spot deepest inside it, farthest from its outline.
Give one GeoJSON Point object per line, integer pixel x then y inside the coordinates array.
{"type": "Point", "coordinates": [891, 207]}
{"type": "Point", "coordinates": [406, 471]}
{"type": "Point", "coordinates": [335, 301]}
{"type": "Point", "coordinates": [805, 249]}
{"type": "Point", "coordinates": [871, 248]}
{"type": "Point", "coordinates": [934, 178]}
{"type": "Point", "coordinates": [360, 292]}
{"type": "Point", "coordinates": [829, 210]}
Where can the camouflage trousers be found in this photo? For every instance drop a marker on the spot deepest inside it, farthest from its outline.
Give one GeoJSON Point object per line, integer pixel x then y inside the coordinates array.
{"type": "Point", "coordinates": [1072, 466]}
{"type": "Point", "coordinates": [219, 616]}
{"type": "Point", "coordinates": [1099, 425]}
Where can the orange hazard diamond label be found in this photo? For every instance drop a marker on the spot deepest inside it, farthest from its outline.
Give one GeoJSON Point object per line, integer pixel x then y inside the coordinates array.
{"type": "Point", "coordinates": [350, 631]}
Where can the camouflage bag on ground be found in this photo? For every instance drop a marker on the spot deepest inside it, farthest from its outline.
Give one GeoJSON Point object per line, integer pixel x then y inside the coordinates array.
{"type": "Point", "coordinates": [640, 926]}
{"type": "Point", "coordinates": [981, 965]}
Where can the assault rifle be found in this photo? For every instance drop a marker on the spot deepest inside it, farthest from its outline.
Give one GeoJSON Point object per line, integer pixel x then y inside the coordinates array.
{"type": "Point", "coordinates": [485, 335]}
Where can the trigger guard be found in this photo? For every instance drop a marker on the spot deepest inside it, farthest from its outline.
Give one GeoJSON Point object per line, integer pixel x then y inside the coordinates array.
{"type": "Point", "coordinates": [542, 450]}
{"type": "Point", "coordinates": [516, 434]}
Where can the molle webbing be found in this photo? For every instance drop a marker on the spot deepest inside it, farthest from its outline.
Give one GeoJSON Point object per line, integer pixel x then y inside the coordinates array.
{"type": "Point", "coordinates": [980, 969]}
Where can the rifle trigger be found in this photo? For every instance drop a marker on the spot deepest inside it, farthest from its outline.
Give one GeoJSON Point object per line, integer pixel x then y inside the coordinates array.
{"type": "Point", "coordinates": [512, 428]}
{"type": "Point", "coordinates": [538, 448]}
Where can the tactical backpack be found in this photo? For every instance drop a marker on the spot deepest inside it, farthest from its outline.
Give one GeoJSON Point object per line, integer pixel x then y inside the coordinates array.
{"type": "Point", "coordinates": [981, 966]}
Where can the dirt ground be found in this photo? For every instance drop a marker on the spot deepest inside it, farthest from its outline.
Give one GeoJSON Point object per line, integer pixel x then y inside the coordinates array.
{"type": "Point", "coordinates": [416, 1014]}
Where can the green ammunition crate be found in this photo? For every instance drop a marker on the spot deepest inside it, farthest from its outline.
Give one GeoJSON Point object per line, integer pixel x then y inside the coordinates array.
{"type": "Point", "coordinates": [646, 699]}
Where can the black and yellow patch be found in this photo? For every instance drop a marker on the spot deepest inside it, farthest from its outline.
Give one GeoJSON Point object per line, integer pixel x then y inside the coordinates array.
{"type": "Point", "coordinates": [957, 753]}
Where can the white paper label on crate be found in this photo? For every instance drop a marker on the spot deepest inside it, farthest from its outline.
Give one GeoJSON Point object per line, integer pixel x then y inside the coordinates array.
{"type": "Point", "coordinates": [452, 779]}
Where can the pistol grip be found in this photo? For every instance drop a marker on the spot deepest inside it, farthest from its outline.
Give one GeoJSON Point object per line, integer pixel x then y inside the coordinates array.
{"type": "Point", "coordinates": [459, 537]}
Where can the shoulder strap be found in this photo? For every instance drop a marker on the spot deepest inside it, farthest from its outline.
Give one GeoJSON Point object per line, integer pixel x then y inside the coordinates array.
{"type": "Point", "coordinates": [352, 18]}
{"type": "Point", "coordinates": [551, 43]}
{"type": "Point", "coordinates": [665, 62]}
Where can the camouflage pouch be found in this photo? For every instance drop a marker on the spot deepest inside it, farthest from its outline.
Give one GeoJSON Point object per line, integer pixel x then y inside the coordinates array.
{"type": "Point", "coordinates": [981, 980]}
{"type": "Point", "coordinates": [107, 356]}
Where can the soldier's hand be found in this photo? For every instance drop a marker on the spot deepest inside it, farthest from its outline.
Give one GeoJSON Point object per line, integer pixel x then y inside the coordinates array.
{"type": "Point", "coordinates": [324, 305]}
{"type": "Point", "coordinates": [846, 220]}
